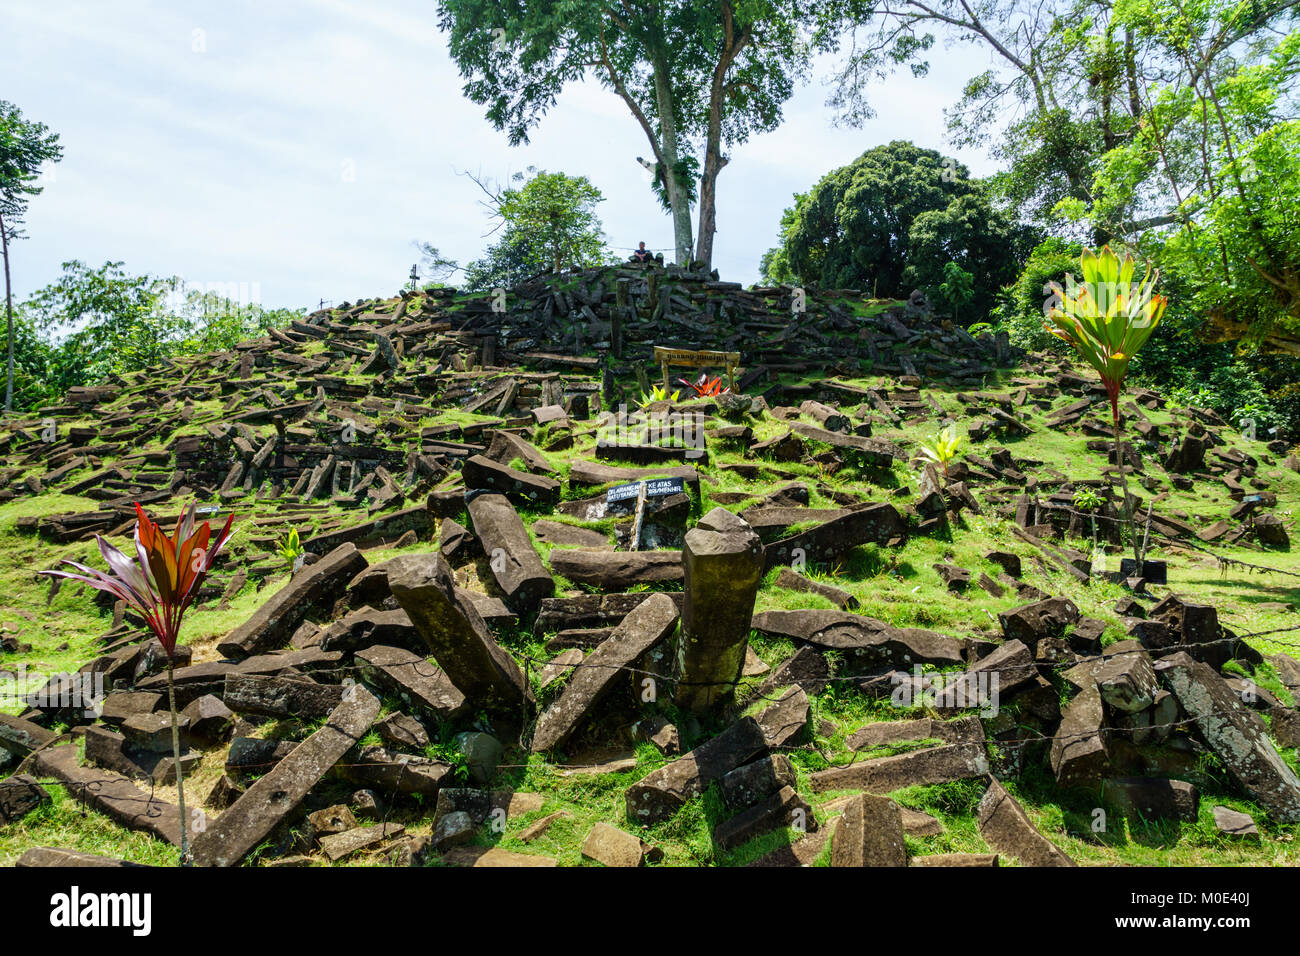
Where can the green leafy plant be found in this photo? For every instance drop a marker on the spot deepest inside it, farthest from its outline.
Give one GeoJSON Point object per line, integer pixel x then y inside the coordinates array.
{"type": "Point", "coordinates": [942, 447]}
{"type": "Point", "coordinates": [1085, 499]}
{"type": "Point", "coordinates": [1089, 502]}
{"type": "Point", "coordinates": [957, 288]}
{"type": "Point", "coordinates": [290, 549]}
{"type": "Point", "coordinates": [1107, 318]}
{"type": "Point", "coordinates": [160, 583]}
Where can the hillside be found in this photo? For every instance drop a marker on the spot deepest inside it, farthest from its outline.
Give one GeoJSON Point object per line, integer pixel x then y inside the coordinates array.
{"type": "Point", "coordinates": [447, 461]}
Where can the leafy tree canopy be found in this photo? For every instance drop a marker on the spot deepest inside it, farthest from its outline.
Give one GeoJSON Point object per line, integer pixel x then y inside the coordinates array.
{"type": "Point", "coordinates": [547, 224]}
{"type": "Point", "coordinates": [892, 221]}
{"type": "Point", "coordinates": [25, 146]}
{"type": "Point", "coordinates": [697, 78]}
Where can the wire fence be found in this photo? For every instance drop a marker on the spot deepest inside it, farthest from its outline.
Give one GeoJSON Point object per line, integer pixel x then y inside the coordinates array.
{"type": "Point", "coordinates": [1122, 524]}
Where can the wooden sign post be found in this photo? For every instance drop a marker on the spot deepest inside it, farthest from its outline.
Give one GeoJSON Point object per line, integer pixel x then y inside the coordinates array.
{"type": "Point", "coordinates": [698, 358]}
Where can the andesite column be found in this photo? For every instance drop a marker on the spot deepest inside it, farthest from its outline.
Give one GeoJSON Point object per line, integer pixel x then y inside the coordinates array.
{"type": "Point", "coordinates": [722, 559]}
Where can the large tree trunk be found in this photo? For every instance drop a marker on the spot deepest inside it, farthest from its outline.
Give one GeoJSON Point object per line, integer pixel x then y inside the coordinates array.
{"type": "Point", "coordinates": [9, 313]}
{"type": "Point", "coordinates": [713, 159]}
{"type": "Point", "coordinates": [664, 141]}
{"type": "Point", "coordinates": [670, 150]}
{"type": "Point", "coordinates": [713, 163]}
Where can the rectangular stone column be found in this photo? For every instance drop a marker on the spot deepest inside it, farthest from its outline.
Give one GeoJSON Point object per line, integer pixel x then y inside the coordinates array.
{"type": "Point", "coordinates": [515, 564]}
{"type": "Point", "coordinates": [722, 560]}
{"type": "Point", "coordinates": [479, 667]}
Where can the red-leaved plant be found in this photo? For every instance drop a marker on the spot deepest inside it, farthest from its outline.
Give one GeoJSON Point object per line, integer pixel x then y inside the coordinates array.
{"type": "Point", "coordinates": [706, 387]}
{"type": "Point", "coordinates": [160, 582]}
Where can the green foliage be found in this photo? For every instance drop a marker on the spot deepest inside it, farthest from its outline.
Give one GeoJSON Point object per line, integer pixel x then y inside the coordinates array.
{"type": "Point", "coordinates": [504, 264]}
{"type": "Point", "coordinates": [774, 268]}
{"type": "Point", "coordinates": [113, 320]}
{"type": "Point", "coordinates": [697, 78]}
{"type": "Point", "coordinates": [92, 323]}
{"type": "Point", "coordinates": [942, 447]}
{"type": "Point", "coordinates": [1244, 256]}
{"type": "Point", "coordinates": [555, 217]}
{"type": "Point", "coordinates": [25, 146]}
{"type": "Point", "coordinates": [289, 548]}
{"type": "Point", "coordinates": [550, 224]}
{"type": "Point", "coordinates": [1107, 317]}
{"type": "Point", "coordinates": [1216, 157]}
{"type": "Point", "coordinates": [1085, 499]}
{"type": "Point", "coordinates": [1050, 102]}
{"type": "Point", "coordinates": [659, 393]}
{"type": "Point", "coordinates": [1179, 363]}
{"type": "Point", "coordinates": [893, 220]}
{"type": "Point", "coordinates": [1023, 305]}
{"type": "Point", "coordinates": [956, 289]}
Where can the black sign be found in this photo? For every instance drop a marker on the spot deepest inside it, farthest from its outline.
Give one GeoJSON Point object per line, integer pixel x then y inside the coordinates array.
{"type": "Point", "coordinates": [657, 488]}
{"type": "Point", "coordinates": [664, 486]}
{"type": "Point", "coordinates": [622, 492]}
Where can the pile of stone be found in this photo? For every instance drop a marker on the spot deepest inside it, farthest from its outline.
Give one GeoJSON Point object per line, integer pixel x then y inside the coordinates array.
{"type": "Point", "coordinates": [643, 602]}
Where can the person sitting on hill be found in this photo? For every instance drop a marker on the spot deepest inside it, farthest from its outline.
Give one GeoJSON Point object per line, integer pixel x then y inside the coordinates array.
{"type": "Point", "coordinates": [642, 254]}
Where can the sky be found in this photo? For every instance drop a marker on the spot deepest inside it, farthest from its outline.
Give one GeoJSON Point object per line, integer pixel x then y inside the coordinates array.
{"type": "Point", "coordinates": [295, 150]}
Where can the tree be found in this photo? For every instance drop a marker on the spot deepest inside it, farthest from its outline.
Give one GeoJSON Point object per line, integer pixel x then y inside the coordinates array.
{"type": "Point", "coordinates": [774, 267]}
{"type": "Point", "coordinates": [210, 321]}
{"type": "Point", "coordinates": [1071, 82]}
{"type": "Point", "coordinates": [893, 220]}
{"type": "Point", "coordinates": [957, 288]}
{"type": "Point", "coordinates": [555, 217]}
{"type": "Point", "coordinates": [1209, 183]}
{"type": "Point", "coordinates": [25, 146]}
{"type": "Point", "coordinates": [40, 368]}
{"type": "Point", "coordinates": [114, 320]}
{"type": "Point", "coordinates": [504, 265]}
{"type": "Point", "coordinates": [91, 323]}
{"type": "Point", "coordinates": [697, 77]}
{"type": "Point", "coordinates": [547, 224]}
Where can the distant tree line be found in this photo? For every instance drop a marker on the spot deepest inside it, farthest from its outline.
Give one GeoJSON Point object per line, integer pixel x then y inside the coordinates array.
{"type": "Point", "coordinates": [91, 323]}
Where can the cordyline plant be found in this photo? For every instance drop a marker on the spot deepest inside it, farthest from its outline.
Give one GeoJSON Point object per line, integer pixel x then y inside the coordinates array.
{"type": "Point", "coordinates": [706, 387]}
{"type": "Point", "coordinates": [160, 582]}
{"type": "Point", "coordinates": [1108, 318]}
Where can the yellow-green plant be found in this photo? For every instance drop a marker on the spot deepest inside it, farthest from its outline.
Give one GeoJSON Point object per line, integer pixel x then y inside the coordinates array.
{"type": "Point", "coordinates": [290, 548]}
{"type": "Point", "coordinates": [942, 447]}
{"type": "Point", "coordinates": [1107, 318]}
{"type": "Point", "coordinates": [659, 393]}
